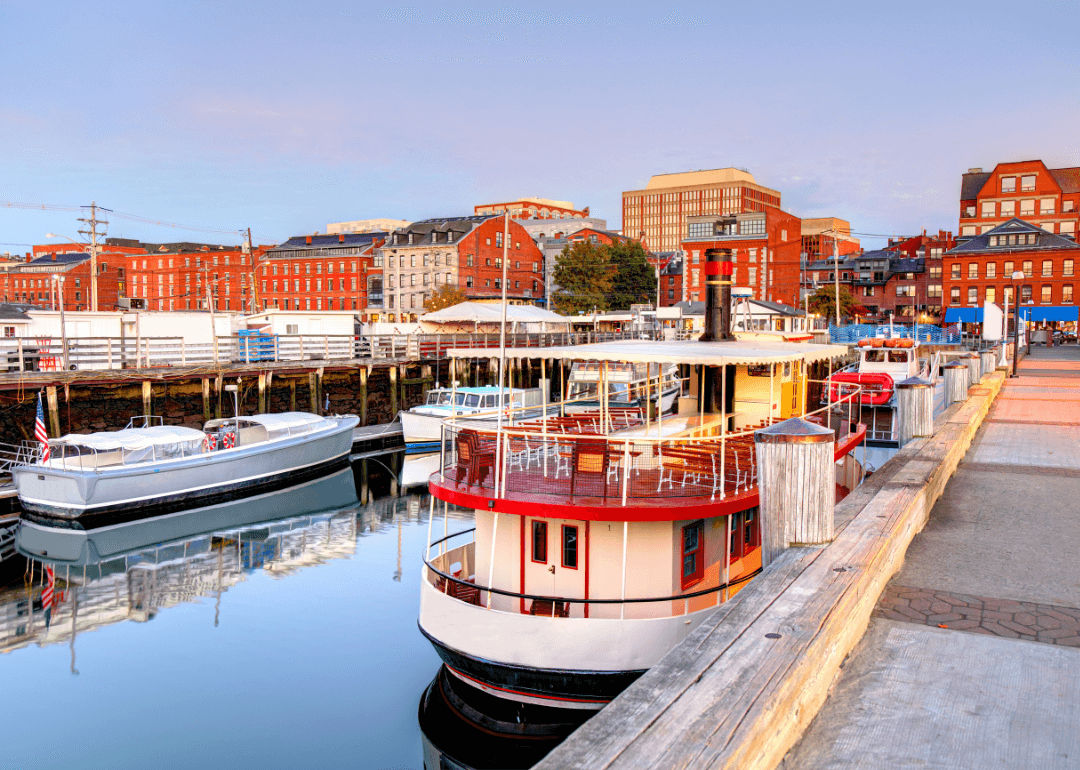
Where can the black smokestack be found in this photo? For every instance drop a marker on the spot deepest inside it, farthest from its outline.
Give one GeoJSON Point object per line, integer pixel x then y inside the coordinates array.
{"type": "Point", "coordinates": [719, 265]}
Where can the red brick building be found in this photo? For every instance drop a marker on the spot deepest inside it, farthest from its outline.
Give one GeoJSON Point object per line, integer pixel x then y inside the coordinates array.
{"type": "Point", "coordinates": [33, 280]}
{"type": "Point", "coordinates": [592, 235]}
{"type": "Point", "coordinates": [822, 235]}
{"type": "Point", "coordinates": [177, 276]}
{"type": "Point", "coordinates": [766, 247]}
{"type": "Point", "coordinates": [323, 272]}
{"type": "Point", "coordinates": [1049, 198]}
{"type": "Point", "coordinates": [979, 269]}
{"type": "Point", "coordinates": [466, 252]}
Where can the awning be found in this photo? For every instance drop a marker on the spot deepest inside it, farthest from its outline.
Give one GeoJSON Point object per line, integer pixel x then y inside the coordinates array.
{"type": "Point", "coordinates": [1050, 313]}
{"type": "Point", "coordinates": [965, 315]}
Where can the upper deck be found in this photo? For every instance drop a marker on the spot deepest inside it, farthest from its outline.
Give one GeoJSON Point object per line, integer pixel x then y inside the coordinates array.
{"type": "Point", "coordinates": [627, 464]}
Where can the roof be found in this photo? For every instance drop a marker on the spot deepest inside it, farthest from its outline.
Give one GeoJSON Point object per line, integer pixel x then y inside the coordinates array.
{"type": "Point", "coordinates": [10, 312]}
{"type": "Point", "coordinates": [710, 176]}
{"type": "Point", "coordinates": [491, 312]}
{"type": "Point", "coordinates": [907, 265]}
{"type": "Point", "coordinates": [971, 183]}
{"type": "Point", "coordinates": [65, 258]}
{"type": "Point", "coordinates": [1015, 226]}
{"type": "Point", "coordinates": [688, 352]}
{"type": "Point", "coordinates": [342, 239]}
{"type": "Point", "coordinates": [1068, 178]}
{"type": "Point", "coordinates": [777, 307]}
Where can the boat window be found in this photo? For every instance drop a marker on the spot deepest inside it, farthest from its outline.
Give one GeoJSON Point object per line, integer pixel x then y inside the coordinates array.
{"type": "Point", "coordinates": [569, 546]}
{"type": "Point", "coordinates": [749, 538]}
{"type": "Point", "coordinates": [444, 397]}
{"type": "Point", "coordinates": [735, 546]}
{"type": "Point", "coordinates": [539, 542]}
{"type": "Point", "coordinates": [489, 401]}
{"type": "Point", "coordinates": [433, 397]}
{"type": "Point", "coordinates": [459, 399]}
{"type": "Point", "coordinates": [693, 553]}
{"type": "Point", "coordinates": [472, 399]}
{"type": "Point", "coordinates": [875, 356]}
{"type": "Point", "coordinates": [619, 392]}
{"type": "Point", "coordinates": [898, 356]}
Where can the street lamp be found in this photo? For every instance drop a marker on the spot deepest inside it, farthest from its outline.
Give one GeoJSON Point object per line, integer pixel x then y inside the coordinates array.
{"type": "Point", "coordinates": [1017, 276]}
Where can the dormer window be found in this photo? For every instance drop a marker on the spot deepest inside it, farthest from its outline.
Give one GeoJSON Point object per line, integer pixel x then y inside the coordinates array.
{"type": "Point", "coordinates": [1027, 182]}
{"type": "Point", "coordinates": [1008, 184]}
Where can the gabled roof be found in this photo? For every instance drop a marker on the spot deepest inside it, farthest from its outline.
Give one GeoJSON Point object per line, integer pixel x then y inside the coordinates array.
{"type": "Point", "coordinates": [1015, 226]}
{"type": "Point", "coordinates": [66, 259]}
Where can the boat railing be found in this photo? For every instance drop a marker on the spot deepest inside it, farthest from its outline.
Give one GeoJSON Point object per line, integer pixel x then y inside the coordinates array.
{"type": "Point", "coordinates": [452, 571]}
{"type": "Point", "coordinates": [144, 421]}
{"type": "Point", "coordinates": [611, 457]}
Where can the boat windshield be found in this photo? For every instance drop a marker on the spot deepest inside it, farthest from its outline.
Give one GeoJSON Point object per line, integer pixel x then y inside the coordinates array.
{"type": "Point", "coordinates": [466, 399]}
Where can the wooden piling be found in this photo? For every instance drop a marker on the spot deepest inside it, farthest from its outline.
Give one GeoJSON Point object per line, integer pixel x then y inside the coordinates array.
{"type": "Point", "coordinates": [54, 410]}
{"type": "Point", "coordinates": [956, 382]}
{"type": "Point", "coordinates": [146, 398]}
{"type": "Point", "coordinates": [217, 401]}
{"type": "Point", "coordinates": [914, 409]}
{"type": "Point", "coordinates": [313, 392]}
{"type": "Point", "coordinates": [262, 394]}
{"type": "Point", "coordinates": [292, 395]}
{"type": "Point", "coordinates": [797, 485]}
{"type": "Point", "coordinates": [974, 364]}
{"type": "Point", "coordinates": [393, 392]}
{"type": "Point", "coordinates": [206, 398]}
{"type": "Point", "coordinates": [364, 371]}
{"type": "Point", "coordinates": [988, 359]}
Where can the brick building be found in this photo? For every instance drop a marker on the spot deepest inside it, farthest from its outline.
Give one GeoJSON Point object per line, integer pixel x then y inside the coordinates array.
{"type": "Point", "coordinates": [821, 234]}
{"type": "Point", "coordinates": [324, 272]}
{"type": "Point", "coordinates": [766, 246]}
{"type": "Point", "coordinates": [533, 208]}
{"type": "Point", "coordinates": [31, 280]}
{"type": "Point", "coordinates": [1046, 197]}
{"type": "Point", "coordinates": [176, 276]}
{"type": "Point", "coordinates": [466, 252]}
{"type": "Point", "coordinates": [658, 214]}
{"type": "Point", "coordinates": [979, 269]}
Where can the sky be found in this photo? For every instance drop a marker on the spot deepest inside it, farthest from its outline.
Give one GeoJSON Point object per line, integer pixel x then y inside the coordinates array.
{"type": "Point", "coordinates": [285, 116]}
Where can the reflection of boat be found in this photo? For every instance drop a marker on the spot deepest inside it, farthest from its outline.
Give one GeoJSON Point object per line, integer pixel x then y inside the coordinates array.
{"type": "Point", "coordinates": [479, 406]}
{"type": "Point", "coordinates": [604, 537]}
{"type": "Point", "coordinates": [462, 727]}
{"type": "Point", "coordinates": [629, 385]}
{"type": "Point", "coordinates": [69, 542]}
{"type": "Point", "coordinates": [417, 469]}
{"type": "Point", "coordinates": [138, 471]}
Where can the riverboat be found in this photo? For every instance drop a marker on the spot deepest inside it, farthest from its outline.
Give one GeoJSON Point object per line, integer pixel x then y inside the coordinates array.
{"type": "Point", "coordinates": [149, 468]}
{"type": "Point", "coordinates": [421, 425]}
{"type": "Point", "coordinates": [604, 537]}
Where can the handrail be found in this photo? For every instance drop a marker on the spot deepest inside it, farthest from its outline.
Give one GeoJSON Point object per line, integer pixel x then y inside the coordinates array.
{"type": "Point", "coordinates": [634, 600]}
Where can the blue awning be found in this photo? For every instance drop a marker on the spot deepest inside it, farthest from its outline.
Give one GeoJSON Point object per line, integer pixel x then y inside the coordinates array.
{"type": "Point", "coordinates": [965, 315]}
{"type": "Point", "coordinates": [1050, 313]}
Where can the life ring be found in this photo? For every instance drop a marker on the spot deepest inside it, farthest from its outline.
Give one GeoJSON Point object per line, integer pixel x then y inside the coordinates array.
{"type": "Point", "coordinates": [906, 343]}
{"type": "Point", "coordinates": [877, 342]}
{"type": "Point", "coordinates": [228, 441]}
{"type": "Point", "coordinates": [209, 442]}
{"type": "Point", "coordinates": [864, 343]}
{"type": "Point", "coordinates": [877, 387]}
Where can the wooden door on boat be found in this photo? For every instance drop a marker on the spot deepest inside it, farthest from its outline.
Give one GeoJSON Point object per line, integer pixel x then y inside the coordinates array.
{"type": "Point", "coordinates": [553, 565]}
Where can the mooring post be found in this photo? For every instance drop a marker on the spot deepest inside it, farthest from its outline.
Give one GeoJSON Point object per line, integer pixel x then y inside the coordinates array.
{"type": "Point", "coordinates": [956, 382]}
{"type": "Point", "coordinates": [989, 362]}
{"type": "Point", "coordinates": [363, 393]}
{"type": "Point", "coordinates": [217, 393]}
{"type": "Point", "coordinates": [262, 393]}
{"type": "Point", "coordinates": [206, 398]}
{"type": "Point", "coordinates": [974, 364]}
{"type": "Point", "coordinates": [402, 375]}
{"type": "Point", "coordinates": [313, 392]}
{"type": "Point", "coordinates": [393, 392]}
{"type": "Point", "coordinates": [292, 395]}
{"type": "Point", "coordinates": [797, 485]}
{"type": "Point", "coordinates": [146, 407]}
{"type": "Point", "coordinates": [914, 409]}
{"type": "Point", "coordinates": [54, 410]}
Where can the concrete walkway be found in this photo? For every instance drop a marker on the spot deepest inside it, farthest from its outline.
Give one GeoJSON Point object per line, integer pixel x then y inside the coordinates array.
{"type": "Point", "coordinates": [973, 656]}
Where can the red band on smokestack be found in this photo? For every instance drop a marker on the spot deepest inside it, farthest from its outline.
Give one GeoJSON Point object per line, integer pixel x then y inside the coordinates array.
{"type": "Point", "coordinates": [719, 268]}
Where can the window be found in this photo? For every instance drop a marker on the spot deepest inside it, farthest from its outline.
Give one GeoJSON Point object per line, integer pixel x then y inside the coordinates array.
{"type": "Point", "coordinates": [868, 291]}
{"type": "Point", "coordinates": [1066, 294]}
{"type": "Point", "coordinates": [1067, 267]}
{"type": "Point", "coordinates": [1046, 206]}
{"type": "Point", "coordinates": [1008, 271]}
{"type": "Point", "coordinates": [1025, 293]}
{"type": "Point", "coordinates": [988, 209]}
{"type": "Point", "coordinates": [991, 294]}
{"type": "Point", "coordinates": [935, 272]}
{"type": "Point", "coordinates": [991, 269]}
{"type": "Point", "coordinates": [693, 553]}
{"type": "Point", "coordinates": [954, 295]}
{"type": "Point", "coordinates": [955, 271]}
{"type": "Point", "coordinates": [569, 546]}
{"type": "Point", "coordinates": [905, 291]}
{"type": "Point", "coordinates": [498, 239]}
{"type": "Point", "coordinates": [1027, 208]}
{"type": "Point", "coordinates": [1027, 268]}
{"type": "Point", "coordinates": [1027, 183]}
{"type": "Point", "coordinates": [1044, 294]}
{"type": "Point", "coordinates": [749, 540]}
{"type": "Point", "coordinates": [973, 270]}
{"type": "Point", "coordinates": [539, 542]}
{"type": "Point", "coordinates": [1008, 208]}
{"type": "Point", "coordinates": [1008, 184]}
{"type": "Point", "coordinates": [973, 296]}
{"type": "Point", "coordinates": [1047, 268]}
{"type": "Point", "coordinates": [933, 290]}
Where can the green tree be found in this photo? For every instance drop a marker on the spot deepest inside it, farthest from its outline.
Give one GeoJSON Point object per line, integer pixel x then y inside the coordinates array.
{"type": "Point", "coordinates": [634, 280]}
{"type": "Point", "coordinates": [823, 302]}
{"type": "Point", "coordinates": [584, 274]}
{"type": "Point", "coordinates": [447, 295]}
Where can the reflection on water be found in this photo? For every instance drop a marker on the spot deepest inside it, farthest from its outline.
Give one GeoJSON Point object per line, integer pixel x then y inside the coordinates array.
{"type": "Point", "coordinates": [273, 631]}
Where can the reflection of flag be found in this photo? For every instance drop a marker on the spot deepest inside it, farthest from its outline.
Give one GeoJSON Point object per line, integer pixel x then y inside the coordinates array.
{"type": "Point", "coordinates": [47, 594]}
{"type": "Point", "coordinates": [40, 433]}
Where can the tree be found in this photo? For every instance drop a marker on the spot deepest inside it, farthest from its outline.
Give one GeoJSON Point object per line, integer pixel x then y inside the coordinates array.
{"type": "Point", "coordinates": [634, 280]}
{"type": "Point", "coordinates": [444, 296]}
{"type": "Point", "coordinates": [823, 302]}
{"type": "Point", "coordinates": [584, 273]}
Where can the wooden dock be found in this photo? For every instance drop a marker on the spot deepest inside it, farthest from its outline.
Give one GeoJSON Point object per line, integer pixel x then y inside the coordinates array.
{"type": "Point", "coordinates": [742, 688]}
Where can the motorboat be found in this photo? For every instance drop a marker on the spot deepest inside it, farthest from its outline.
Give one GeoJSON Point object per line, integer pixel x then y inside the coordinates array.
{"type": "Point", "coordinates": [882, 363]}
{"type": "Point", "coordinates": [149, 468]}
{"type": "Point", "coordinates": [421, 425]}
{"type": "Point", "coordinates": [604, 537]}
{"type": "Point", "coordinates": [628, 385]}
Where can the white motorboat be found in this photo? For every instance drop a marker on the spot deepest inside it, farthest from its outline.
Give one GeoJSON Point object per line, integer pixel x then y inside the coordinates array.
{"type": "Point", "coordinates": [629, 385]}
{"type": "Point", "coordinates": [421, 426]}
{"type": "Point", "coordinates": [111, 476]}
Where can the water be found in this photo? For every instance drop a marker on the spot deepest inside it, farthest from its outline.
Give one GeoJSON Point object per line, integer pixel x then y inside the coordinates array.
{"type": "Point", "coordinates": [287, 644]}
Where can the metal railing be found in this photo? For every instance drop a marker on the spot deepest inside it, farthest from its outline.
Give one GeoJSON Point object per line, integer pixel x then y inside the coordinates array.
{"type": "Point", "coordinates": [582, 457]}
{"type": "Point", "coordinates": [464, 588]}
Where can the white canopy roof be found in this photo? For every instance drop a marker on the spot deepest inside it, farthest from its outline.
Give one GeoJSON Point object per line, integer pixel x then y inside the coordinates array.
{"type": "Point", "coordinates": [279, 424]}
{"type": "Point", "coordinates": [134, 438]}
{"type": "Point", "coordinates": [688, 352]}
{"type": "Point", "coordinates": [491, 312]}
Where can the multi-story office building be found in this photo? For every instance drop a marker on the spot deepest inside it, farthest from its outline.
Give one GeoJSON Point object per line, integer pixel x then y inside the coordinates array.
{"type": "Point", "coordinates": [657, 215]}
{"type": "Point", "coordinates": [466, 252]}
{"type": "Point", "coordinates": [187, 276]}
{"type": "Point", "coordinates": [1046, 197]}
{"type": "Point", "coordinates": [365, 226]}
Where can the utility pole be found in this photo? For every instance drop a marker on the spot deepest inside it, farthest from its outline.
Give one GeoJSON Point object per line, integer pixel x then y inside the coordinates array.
{"type": "Point", "coordinates": [836, 273]}
{"type": "Point", "coordinates": [59, 281]}
{"type": "Point", "coordinates": [213, 321]}
{"type": "Point", "coordinates": [91, 232]}
{"type": "Point", "coordinates": [249, 250]}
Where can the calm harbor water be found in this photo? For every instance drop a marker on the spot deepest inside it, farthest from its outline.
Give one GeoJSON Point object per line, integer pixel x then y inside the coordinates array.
{"type": "Point", "coordinates": [288, 643]}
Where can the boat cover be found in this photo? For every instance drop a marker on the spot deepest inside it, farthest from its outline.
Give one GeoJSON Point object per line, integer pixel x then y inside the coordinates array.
{"type": "Point", "coordinates": [286, 423]}
{"type": "Point", "coordinates": [156, 442]}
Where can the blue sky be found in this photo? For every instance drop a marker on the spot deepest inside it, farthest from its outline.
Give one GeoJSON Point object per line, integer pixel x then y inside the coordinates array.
{"type": "Point", "coordinates": [285, 116]}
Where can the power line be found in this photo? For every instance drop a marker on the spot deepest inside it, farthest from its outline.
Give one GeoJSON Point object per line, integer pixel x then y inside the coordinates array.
{"type": "Point", "coordinates": [120, 214]}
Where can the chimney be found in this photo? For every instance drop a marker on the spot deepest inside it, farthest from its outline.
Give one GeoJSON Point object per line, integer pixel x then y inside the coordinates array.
{"type": "Point", "coordinates": [307, 240]}
{"type": "Point", "coordinates": [54, 256]}
{"type": "Point", "coordinates": [975, 170]}
{"type": "Point", "coordinates": [341, 238]}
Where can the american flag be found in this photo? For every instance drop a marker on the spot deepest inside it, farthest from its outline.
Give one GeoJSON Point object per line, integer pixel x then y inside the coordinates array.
{"type": "Point", "coordinates": [47, 594]}
{"type": "Point", "coordinates": [40, 433]}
